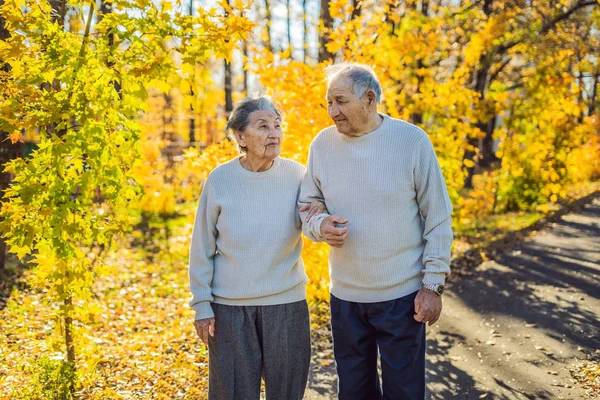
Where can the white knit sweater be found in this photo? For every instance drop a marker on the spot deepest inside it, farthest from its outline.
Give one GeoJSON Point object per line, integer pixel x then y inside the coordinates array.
{"type": "Point", "coordinates": [388, 183]}
{"type": "Point", "coordinates": [246, 241]}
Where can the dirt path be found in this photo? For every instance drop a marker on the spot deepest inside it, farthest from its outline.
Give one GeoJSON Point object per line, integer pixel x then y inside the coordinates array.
{"type": "Point", "coordinates": [515, 328]}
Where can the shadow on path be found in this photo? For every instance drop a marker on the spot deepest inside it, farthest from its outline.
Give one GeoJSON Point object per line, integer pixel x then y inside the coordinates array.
{"type": "Point", "coordinates": [516, 325]}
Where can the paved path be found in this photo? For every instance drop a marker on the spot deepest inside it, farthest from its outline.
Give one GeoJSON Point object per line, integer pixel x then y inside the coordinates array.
{"type": "Point", "coordinates": [514, 328]}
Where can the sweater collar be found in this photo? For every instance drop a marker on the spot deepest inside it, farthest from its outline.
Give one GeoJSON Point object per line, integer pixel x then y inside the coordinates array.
{"type": "Point", "coordinates": [257, 175]}
{"type": "Point", "coordinates": [377, 132]}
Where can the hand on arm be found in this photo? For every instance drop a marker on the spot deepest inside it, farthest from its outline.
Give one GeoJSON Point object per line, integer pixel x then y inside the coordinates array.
{"type": "Point", "coordinates": [314, 208]}
{"type": "Point", "coordinates": [310, 196]}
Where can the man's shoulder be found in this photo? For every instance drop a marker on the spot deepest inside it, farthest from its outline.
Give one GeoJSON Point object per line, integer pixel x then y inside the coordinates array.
{"type": "Point", "coordinates": [325, 136]}
{"type": "Point", "coordinates": [407, 128]}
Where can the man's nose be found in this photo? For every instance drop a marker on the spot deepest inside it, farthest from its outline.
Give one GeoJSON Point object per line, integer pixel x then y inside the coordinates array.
{"type": "Point", "coordinates": [334, 111]}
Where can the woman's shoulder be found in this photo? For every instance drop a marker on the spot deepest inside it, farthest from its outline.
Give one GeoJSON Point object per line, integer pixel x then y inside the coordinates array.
{"type": "Point", "coordinates": [223, 170]}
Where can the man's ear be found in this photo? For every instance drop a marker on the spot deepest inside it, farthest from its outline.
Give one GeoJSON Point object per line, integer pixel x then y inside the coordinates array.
{"type": "Point", "coordinates": [372, 97]}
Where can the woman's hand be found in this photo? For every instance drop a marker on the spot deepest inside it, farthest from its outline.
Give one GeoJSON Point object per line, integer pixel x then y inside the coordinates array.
{"type": "Point", "coordinates": [315, 207]}
{"type": "Point", "coordinates": [205, 327]}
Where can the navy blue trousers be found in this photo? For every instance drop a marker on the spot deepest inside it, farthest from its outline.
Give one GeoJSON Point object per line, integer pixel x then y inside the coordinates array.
{"type": "Point", "coordinates": [359, 330]}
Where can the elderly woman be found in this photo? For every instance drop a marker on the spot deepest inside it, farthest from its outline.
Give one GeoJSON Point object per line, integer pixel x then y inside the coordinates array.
{"type": "Point", "coordinates": [246, 274]}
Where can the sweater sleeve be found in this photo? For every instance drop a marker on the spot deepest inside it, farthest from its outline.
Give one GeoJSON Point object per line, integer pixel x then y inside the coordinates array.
{"type": "Point", "coordinates": [203, 249]}
{"type": "Point", "coordinates": [436, 210]}
{"type": "Point", "coordinates": [310, 190]}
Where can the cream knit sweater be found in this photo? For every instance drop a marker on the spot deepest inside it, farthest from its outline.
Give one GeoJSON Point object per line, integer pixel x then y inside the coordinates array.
{"type": "Point", "coordinates": [246, 241]}
{"type": "Point", "coordinates": [388, 183]}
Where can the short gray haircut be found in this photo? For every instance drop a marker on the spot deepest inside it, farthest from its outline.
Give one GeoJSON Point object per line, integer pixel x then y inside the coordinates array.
{"type": "Point", "coordinates": [362, 78]}
{"type": "Point", "coordinates": [240, 116]}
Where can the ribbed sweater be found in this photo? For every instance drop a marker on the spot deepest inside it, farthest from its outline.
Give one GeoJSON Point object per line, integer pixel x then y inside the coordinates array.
{"type": "Point", "coordinates": [246, 241]}
{"type": "Point", "coordinates": [389, 185]}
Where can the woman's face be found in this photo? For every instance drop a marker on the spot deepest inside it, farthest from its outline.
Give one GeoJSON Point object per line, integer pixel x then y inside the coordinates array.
{"type": "Point", "coordinates": [263, 135]}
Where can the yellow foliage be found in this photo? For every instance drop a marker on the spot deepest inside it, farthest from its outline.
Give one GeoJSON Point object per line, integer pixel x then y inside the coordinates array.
{"type": "Point", "coordinates": [477, 202]}
{"type": "Point", "coordinates": [304, 106]}
{"type": "Point", "coordinates": [315, 257]}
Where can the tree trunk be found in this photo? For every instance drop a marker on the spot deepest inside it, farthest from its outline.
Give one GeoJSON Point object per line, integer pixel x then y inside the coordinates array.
{"type": "Point", "coordinates": [106, 8]}
{"type": "Point", "coordinates": [246, 56]}
{"type": "Point", "coordinates": [325, 16]}
{"type": "Point", "coordinates": [304, 33]}
{"type": "Point", "coordinates": [269, 43]}
{"type": "Point", "coordinates": [7, 149]}
{"type": "Point", "coordinates": [594, 98]}
{"type": "Point", "coordinates": [2, 252]}
{"type": "Point", "coordinates": [228, 90]}
{"type": "Point", "coordinates": [289, 28]}
{"type": "Point", "coordinates": [69, 330]}
{"type": "Point", "coordinates": [192, 132]}
{"type": "Point", "coordinates": [227, 83]}
{"type": "Point", "coordinates": [393, 10]}
{"type": "Point", "coordinates": [70, 343]}
{"type": "Point", "coordinates": [488, 155]}
{"type": "Point", "coordinates": [59, 11]}
{"type": "Point", "coordinates": [480, 87]}
{"type": "Point", "coordinates": [580, 99]}
{"type": "Point", "coordinates": [356, 9]}
{"type": "Point", "coordinates": [57, 15]}
{"type": "Point", "coordinates": [481, 78]}
{"type": "Point", "coordinates": [168, 133]}
{"type": "Point", "coordinates": [417, 117]}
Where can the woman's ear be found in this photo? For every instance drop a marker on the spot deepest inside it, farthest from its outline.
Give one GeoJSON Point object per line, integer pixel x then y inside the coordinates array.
{"type": "Point", "coordinates": [240, 137]}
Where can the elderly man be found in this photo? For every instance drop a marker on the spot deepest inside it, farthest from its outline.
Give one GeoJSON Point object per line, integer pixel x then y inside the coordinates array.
{"type": "Point", "coordinates": [389, 228]}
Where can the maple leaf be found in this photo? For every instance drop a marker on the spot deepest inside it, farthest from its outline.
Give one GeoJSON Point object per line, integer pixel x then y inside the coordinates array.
{"type": "Point", "coordinates": [16, 137]}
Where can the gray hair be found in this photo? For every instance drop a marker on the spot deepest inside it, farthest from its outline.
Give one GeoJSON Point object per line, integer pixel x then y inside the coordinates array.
{"type": "Point", "coordinates": [240, 116]}
{"type": "Point", "coordinates": [362, 78]}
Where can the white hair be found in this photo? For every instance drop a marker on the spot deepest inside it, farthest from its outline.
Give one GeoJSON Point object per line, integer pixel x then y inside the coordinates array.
{"type": "Point", "coordinates": [362, 78]}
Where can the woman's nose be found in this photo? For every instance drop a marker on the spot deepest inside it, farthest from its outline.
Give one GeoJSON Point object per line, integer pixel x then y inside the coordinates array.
{"type": "Point", "coordinates": [275, 132]}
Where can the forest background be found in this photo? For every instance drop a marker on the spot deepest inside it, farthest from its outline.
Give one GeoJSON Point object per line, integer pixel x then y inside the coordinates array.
{"type": "Point", "coordinates": [112, 114]}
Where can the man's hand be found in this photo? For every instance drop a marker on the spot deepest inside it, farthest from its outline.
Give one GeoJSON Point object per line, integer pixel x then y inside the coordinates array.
{"type": "Point", "coordinates": [315, 207]}
{"type": "Point", "coordinates": [335, 237]}
{"type": "Point", "coordinates": [428, 306]}
{"type": "Point", "coordinates": [205, 327]}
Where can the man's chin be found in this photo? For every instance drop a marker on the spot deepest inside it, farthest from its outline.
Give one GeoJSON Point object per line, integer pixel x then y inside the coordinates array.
{"type": "Point", "coordinates": [346, 131]}
{"type": "Point", "coordinates": [342, 128]}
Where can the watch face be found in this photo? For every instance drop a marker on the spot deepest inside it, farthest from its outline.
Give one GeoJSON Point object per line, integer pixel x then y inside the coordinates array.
{"type": "Point", "coordinates": [440, 289]}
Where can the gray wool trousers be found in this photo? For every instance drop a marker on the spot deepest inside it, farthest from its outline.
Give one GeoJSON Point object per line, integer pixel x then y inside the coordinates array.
{"type": "Point", "coordinates": [250, 342]}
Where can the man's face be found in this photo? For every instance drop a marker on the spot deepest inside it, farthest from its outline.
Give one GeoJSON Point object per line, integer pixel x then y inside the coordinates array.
{"type": "Point", "coordinates": [349, 113]}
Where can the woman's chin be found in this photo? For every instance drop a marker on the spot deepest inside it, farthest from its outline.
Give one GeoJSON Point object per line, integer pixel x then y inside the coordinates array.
{"type": "Point", "coordinates": [272, 151]}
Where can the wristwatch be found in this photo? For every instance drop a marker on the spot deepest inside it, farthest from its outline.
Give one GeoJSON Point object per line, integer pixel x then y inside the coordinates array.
{"type": "Point", "coordinates": [437, 289]}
